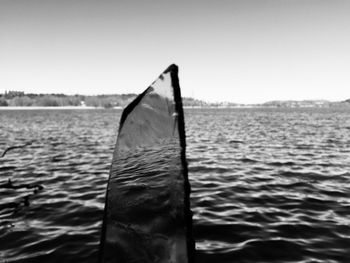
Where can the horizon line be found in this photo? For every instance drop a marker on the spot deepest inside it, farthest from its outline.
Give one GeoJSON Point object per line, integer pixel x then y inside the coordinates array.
{"type": "Point", "coordinates": [22, 93]}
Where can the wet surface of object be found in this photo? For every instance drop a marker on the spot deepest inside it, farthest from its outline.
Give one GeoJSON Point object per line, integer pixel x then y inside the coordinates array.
{"type": "Point", "coordinates": [147, 217]}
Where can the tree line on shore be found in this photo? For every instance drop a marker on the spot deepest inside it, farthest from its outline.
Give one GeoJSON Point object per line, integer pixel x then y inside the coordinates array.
{"type": "Point", "coordinates": [21, 99]}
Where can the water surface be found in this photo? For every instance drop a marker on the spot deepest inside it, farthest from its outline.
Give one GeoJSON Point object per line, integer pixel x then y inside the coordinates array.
{"type": "Point", "coordinates": [268, 185]}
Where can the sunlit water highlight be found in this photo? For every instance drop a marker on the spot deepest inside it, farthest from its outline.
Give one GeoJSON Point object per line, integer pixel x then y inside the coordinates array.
{"type": "Point", "coordinates": [268, 185]}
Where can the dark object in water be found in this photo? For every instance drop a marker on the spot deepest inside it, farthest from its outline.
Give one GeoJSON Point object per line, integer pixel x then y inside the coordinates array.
{"type": "Point", "coordinates": [22, 199]}
{"type": "Point", "coordinates": [15, 147]}
{"type": "Point", "coordinates": [147, 212]}
{"type": "Point", "coordinates": [10, 185]}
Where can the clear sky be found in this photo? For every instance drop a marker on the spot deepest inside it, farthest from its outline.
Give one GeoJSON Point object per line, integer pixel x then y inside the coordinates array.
{"type": "Point", "coordinates": [246, 51]}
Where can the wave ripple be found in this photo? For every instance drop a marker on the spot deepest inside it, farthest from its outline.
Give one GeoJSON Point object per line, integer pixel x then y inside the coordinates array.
{"type": "Point", "coordinates": [268, 185]}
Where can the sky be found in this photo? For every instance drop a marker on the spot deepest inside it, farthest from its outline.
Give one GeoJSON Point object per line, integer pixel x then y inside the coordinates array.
{"type": "Point", "coordinates": [244, 51]}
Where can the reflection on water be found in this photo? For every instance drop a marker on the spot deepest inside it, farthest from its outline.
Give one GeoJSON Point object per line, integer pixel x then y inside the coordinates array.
{"type": "Point", "coordinates": [267, 185]}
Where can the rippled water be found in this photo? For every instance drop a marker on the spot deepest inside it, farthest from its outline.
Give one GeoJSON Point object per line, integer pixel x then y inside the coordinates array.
{"type": "Point", "coordinates": [268, 185]}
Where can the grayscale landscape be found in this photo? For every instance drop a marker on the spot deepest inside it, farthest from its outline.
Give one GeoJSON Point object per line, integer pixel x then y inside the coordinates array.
{"type": "Point", "coordinates": [263, 127]}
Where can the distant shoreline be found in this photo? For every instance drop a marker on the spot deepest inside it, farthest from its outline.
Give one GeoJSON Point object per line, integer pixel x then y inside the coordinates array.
{"type": "Point", "coordinates": [18, 100]}
{"type": "Point", "coordinates": [118, 108]}
{"type": "Point", "coordinates": [4, 108]}
{"type": "Point", "coordinates": [52, 108]}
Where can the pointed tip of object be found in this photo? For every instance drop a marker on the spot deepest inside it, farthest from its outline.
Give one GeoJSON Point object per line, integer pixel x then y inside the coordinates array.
{"type": "Point", "coordinates": [172, 68]}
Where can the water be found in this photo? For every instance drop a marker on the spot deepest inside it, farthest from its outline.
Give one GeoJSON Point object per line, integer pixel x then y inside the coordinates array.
{"type": "Point", "coordinates": [268, 185]}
